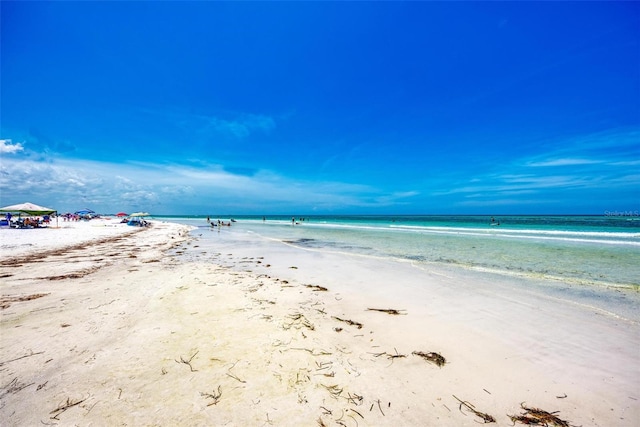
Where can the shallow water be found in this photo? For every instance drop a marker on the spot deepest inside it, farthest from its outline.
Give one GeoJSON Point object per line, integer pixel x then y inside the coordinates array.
{"type": "Point", "coordinates": [587, 250]}
{"type": "Point", "coordinates": [399, 265]}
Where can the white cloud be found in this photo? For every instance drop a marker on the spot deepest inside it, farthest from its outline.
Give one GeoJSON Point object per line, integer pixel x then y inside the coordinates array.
{"type": "Point", "coordinates": [626, 163]}
{"type": "Point", "coordinates": [395, 198]}
{"type": "Point", "coordinates": [564, 162]}
{"type": "Point", "coordinates": [234, 125]}
{"type": "Point", "coordinates": [587, 170]}
{"type": "Point", "coordinates": [242, 126]}
{"type": "Point", "coordinates": [103, 187]}
{"type": "Point", "coordinates": [562, 177]}
{"type": "Point", "coordinates": [615, 146]}
{"type": "Point", "coordinates": [8, 147]}
{"type": "Point", "coordinates": [490, 186]}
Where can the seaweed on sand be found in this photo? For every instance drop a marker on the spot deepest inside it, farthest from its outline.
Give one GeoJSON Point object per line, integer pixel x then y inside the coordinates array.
{"type": "Point", "coordinates": [349, 322]}
{"type": "Point", "coordinates": [486, 418]}
{"type": "Point", "coordinates": [392, 311]}
{"type": "Point", "coordinates": [6, 300]}
{"type": "Point", "coordinates": [298, 321]}
{"type": "Point", "coordinates": [536, 416]}
{"type": "Point", "coordinates": [316, 288]}
{"type": "Point", "coordinates": [215, 396]}
{"type": "Point", "coordinates": [188, 361]}
{"type": "Point", "coordinates": [63, 407]}
{"type": "Point", "coordinates": [431, 357]}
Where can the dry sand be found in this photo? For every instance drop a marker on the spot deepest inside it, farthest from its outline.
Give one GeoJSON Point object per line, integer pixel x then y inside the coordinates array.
{"type": "Point", "coordinates": [110, 326]}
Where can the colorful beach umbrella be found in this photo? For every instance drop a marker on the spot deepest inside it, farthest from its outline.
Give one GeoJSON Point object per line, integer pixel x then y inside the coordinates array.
{"type": "Point", "coordinates": [137, 214]}
{"type": "Point", "coordinates": [84, 211]}
{"type": "Point", "coordinates": [122, 214]}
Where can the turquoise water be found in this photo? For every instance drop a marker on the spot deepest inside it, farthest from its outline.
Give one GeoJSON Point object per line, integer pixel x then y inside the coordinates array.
{"type": "Point", "coordinates": [595, 250]}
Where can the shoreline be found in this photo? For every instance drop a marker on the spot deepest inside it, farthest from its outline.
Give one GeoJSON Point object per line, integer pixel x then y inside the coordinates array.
{"type": "Point", "coordinates": [159, 330]}
{"type": "Point", "coordinates": [610, 260]}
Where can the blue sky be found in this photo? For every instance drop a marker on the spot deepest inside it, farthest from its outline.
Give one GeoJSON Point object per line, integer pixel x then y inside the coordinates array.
{"type": "Point", "coordinates": [321, 107]}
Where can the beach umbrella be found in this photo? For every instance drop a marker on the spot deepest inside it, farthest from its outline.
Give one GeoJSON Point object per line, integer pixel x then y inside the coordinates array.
{"type": "Point", "coordinates": [122, 214]}
{"type": "Point", "coordinates": [84, 211]}
{"type": "Point", "coordinates": [139, 214]}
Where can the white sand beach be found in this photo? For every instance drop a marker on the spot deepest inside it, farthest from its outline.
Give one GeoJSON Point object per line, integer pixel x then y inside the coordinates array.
{"type": "Point", "coordinates": [102, 324]}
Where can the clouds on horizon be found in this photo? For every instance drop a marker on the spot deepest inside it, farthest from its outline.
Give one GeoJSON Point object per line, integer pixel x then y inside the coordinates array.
{"type": "Point", "coordinates": [564, 173]}
{"type": "Point", "coordinates": [169, 189]}
{"type": "Point", "coordinates": [590, 171]}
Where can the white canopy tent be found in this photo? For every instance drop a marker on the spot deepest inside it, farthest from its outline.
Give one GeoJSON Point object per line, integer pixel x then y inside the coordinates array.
{"type": "Point", "coordinates": [29, 209]}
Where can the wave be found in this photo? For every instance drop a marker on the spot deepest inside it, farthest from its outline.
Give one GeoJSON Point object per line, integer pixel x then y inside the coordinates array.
{"type": "Point", "coordinates": [568, 236]}
{"type": "Point", "coordinates": [601, 237]}
{"type": "Point", "coordinates": [495, 230]}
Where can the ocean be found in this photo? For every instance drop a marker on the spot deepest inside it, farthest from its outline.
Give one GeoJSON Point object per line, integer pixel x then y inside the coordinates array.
{"type": "Point", "coordinates": [586, 250]}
